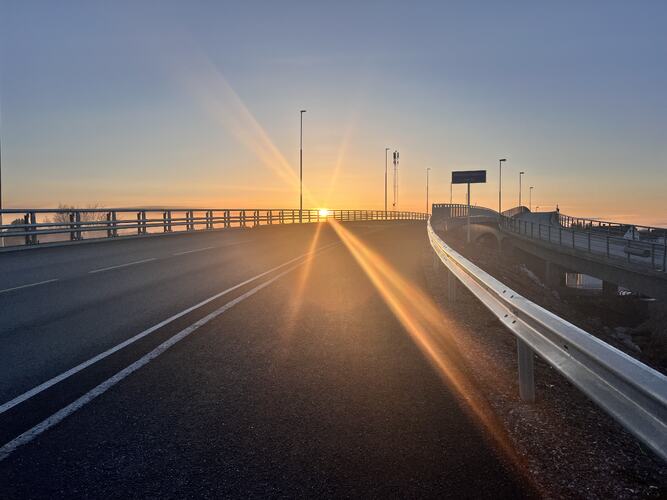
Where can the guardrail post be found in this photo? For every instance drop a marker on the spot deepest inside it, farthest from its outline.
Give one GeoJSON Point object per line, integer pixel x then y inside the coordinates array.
{"type": "Point", "coordinates": [526, 371]}
{"type": "Point", "coordinates": [138, 222]}
{"type": "Point", "coordinates": [451, 287]}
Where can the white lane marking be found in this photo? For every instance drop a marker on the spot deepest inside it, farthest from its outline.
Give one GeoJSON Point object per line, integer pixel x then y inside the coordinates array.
{"type": "Point", "coordinates": [196, 250]}
{"type": "Point", "coordinates": [51, 382]}
{"type": "Point", "coordinates": [121, 265]}
{"type": "Point", "coordinates": [29, 285]}
{"type": "Point", "coordinates": [63, 413]}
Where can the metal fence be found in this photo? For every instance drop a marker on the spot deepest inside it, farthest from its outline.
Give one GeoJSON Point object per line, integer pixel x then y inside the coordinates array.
{"type": "Point", "coordinates": [631, 392]}
{"type": "Point", "coordinates": [606, 239]}
{"type": "Point", "coordinates": [38, 226]}
{"type": "Point", "coordinates": [641, 246]}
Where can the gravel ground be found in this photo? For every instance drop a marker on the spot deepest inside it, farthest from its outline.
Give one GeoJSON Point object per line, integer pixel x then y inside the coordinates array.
{"type": "Point", "coordinates": [572, 449]}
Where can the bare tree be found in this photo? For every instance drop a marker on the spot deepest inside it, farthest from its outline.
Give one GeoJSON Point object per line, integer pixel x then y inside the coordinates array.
{"type": "Point", "coordinates": [63, 217]}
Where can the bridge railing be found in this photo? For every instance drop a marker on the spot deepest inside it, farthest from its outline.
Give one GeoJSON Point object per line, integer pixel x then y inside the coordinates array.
{"type": "Point", "coordinates": [641, 246]}
{"type": "Point", "coordinates": [31, 227]}
{"type": "Point", "coordinates": [631, 392]}
{"type": "Point", "coordinates": [604, 239]}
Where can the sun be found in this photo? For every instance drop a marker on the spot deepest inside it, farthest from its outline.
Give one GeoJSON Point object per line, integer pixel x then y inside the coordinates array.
{"type": "Point", "coordinates": [324, 212]}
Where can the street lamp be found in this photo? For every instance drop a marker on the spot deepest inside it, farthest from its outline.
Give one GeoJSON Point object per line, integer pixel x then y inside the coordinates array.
{"type": "Point", "coordinates": [500, 185]}
{"type": "Point", "coordinates": [386, 150]}
{"type": "Point", "coordinates": [427, 171]}
{"type": "Point", "coordinates": [301, 166]}
{"type": "Point", "coordinates": [530, 198]}
{"type": "Point", "coordinates": [520, 174]}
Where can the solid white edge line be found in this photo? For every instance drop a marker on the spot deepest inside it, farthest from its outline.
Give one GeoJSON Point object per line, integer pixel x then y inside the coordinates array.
{"type": "Point", "coordinates": [29, 285]}
{"type": "Point", "coordinates": [63, 413]}
{"type": "Point", "coordinates": [51, 382]}
{"type": "Point", "coordinates": [121, 265]}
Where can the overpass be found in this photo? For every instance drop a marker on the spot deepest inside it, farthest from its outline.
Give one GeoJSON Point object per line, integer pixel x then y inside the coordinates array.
{"type": "Point", "coordinates": [631, 256]}
{"type": "Point", "coordinates": [238, 352]}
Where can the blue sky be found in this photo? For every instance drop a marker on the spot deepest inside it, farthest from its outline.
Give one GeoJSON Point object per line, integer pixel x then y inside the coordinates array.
{"type": "Point", "coordinates": [144, 103]}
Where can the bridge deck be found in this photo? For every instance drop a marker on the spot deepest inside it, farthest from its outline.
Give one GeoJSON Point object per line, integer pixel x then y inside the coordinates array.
{"type": "Point", "coordinates": [326, 396]}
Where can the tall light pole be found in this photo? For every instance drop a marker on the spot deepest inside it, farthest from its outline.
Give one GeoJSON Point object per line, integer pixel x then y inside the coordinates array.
{"type": "Point", "coordinates": [386, 150]}
{"type": "Point", "coordinates": [395, 178]}
{"type": "Point", "coordinates": [520, 174]}
{"type": "Point", "coordinates": [500, 185]}
{"type": "Point", "coordinates": [301, 167]}
{"type": "Point", "coordinates": [530, 198]}
{"type": "Point", "coordinates": [427, 171]}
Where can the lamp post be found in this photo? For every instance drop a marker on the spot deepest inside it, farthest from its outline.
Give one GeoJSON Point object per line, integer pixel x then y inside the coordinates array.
{"type": "Point", "coordinates": [386, 150]}
{"type": "Point", "coordinates": [427, 171]}
{"type": "Point", "coordinates": [500, 185]}
{"type": "Point", "coordinates": [301, 166]}
{"type": "Point", "coordinates": [520, 174]}
{"type": "Point", "coordinates": [530, 198]}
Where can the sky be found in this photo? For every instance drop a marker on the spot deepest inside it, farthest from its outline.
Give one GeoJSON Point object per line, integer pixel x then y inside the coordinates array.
{"type": "Point", "coordinates": [193, 103]}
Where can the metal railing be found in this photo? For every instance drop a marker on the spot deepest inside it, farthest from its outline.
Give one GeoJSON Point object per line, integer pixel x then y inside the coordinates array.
{"type": "Point", "coordinates": [604, 240]}
{"type": "Point", "coordinates": [631, 392]}
{"type": "Point", "coordinates": [646, 248]}
{"type": "Point", "coordinates": [29, 227]}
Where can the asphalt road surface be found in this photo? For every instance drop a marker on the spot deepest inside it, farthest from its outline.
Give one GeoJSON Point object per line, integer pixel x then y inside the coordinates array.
{"type": "Point", "coordinates": [299, 381]}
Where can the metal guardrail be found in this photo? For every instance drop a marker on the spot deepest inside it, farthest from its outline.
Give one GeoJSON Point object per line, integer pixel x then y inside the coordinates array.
{"type": "Point", "coordinates": [631, 392]}
{"type": "Point", "coordinates": [35, 226]}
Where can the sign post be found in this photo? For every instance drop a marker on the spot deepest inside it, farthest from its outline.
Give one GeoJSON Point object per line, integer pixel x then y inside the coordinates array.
{"type": "Point", "coordinates": [469, 177]}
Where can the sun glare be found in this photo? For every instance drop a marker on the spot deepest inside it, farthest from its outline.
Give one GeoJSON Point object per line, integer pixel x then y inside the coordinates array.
{"type": "Point", "coordinates": [324, 212]}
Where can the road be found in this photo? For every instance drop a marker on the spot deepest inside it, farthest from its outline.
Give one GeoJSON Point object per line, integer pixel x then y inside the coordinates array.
{"type": "Point", "coordinates": [179, 367]}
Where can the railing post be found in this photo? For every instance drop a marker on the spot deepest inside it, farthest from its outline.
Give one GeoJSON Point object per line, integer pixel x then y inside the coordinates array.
{"type": "Point", "coordinates": [451, 287]}
{"type": "Point", "coordinates": [26, 221]}
{"type": "Point", "coordinates": [526, 371]}
{"type": "Point", "coordinates": [114, 231]}
{"type": "Point", "coordinates": [138, 222]}
{"type": "Point", "coordinates": [607, 246]}
{"type": "Point", "coordinates": [72, 226]}
{"type": "Point", "coordinates": [109, 230]}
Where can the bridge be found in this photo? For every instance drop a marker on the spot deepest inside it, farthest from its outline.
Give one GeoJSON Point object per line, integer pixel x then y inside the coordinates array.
{"type": "Point", "coordinates": [631, 256]}
{"type": "Point", "coordinates": [229, 352]}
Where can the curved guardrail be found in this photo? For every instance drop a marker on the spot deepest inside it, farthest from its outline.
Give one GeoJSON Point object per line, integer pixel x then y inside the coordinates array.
{"type": "Point", "coordinates": [631, 392]}
{"type": "Point", "coordinates": [29, 227]}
